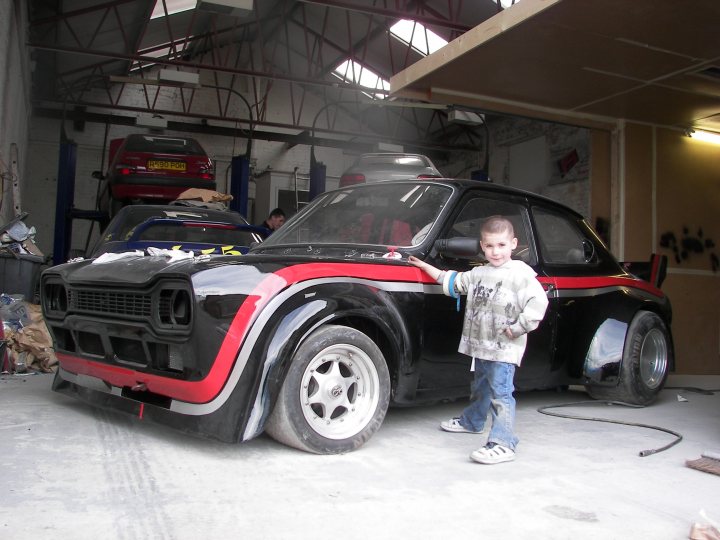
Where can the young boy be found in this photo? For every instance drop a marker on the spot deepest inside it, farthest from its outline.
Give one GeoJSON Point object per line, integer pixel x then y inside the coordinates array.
{"type": "Point", "coordinates": [504, 303]}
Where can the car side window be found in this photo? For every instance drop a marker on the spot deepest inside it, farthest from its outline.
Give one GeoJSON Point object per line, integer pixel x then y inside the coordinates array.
{"type": "Point", "coordinates": [476, 210]}
{"type": "Point", "coordinates": [560, 239]}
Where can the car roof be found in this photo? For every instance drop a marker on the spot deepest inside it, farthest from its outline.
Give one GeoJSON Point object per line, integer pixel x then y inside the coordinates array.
{"type": "Point", "coordinates": [190, 212]}
{"type": "Point", "coordinates": [393, 154]}
{"type": "Point", "coordinates": [464, 185]}
{"type": "Point", "coordinates": [467, 184]}
{"type": "Point", "coordinates": [386, 155]}
{"type": "Point", "coordinates": [158, 137]}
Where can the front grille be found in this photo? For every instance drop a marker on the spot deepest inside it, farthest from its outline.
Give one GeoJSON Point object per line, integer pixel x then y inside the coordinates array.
{"type": "Point", "coordinates": [129, 304]}
{"type": "Point", "coordinates": [146, 327]}
{"type": "Point", "coordinates": [165, 306]}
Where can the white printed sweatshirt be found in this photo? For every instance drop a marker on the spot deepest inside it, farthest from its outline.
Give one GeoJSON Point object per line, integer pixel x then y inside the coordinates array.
{"type": "Point", "coordinates": [498, 297]}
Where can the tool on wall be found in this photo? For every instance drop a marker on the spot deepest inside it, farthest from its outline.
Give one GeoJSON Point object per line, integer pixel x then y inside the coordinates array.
{"type": "Point", "coordinates": [10, 172]}
{"type": "Point", "coordinates": [17, 206]}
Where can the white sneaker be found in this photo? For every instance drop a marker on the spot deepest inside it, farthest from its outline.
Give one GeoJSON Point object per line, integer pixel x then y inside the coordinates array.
{"type": "Point", "coordinates": [454, 426]}
{"type": "Point", "coordinates": [492, 453]}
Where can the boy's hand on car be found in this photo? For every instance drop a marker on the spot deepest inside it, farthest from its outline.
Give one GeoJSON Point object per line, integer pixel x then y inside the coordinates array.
{"type": "Point", "coordinates": [429, 269]}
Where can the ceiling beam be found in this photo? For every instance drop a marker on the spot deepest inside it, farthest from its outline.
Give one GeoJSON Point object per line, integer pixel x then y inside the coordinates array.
{"type": "Point", "coordinates": [303, 137]}
{"type": "Point", "coordinates": [78, 12]}
{"type": "Point", "coordinates": [210, 67]}
{"type": "Point", "coordinates": [391, 13]}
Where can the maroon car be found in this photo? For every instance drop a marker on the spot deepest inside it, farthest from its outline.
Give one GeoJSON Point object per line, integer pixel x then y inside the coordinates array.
{"type": "Point", "coordinates": [156, 168]}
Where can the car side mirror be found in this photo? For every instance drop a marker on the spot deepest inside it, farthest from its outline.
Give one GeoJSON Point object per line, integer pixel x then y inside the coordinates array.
{"type": "Point", "coordinates": [98, 175]}
{"type": "Point", "coordinates": [458, 247]}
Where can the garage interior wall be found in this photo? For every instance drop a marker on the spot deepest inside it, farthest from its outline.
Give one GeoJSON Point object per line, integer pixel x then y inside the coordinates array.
{"type": "Point", "coordinates": [547, 158]}
{"type": "Point", "coordinates": [671, 198]}
{"type": "Point", "coordinates": [14, 98]}
{"type": "Point", "coordinates": [601, 142]}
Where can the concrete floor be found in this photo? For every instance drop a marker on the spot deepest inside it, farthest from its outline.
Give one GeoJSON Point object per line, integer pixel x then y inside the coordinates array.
{"type": "Point", "coordinates": [73, 472]}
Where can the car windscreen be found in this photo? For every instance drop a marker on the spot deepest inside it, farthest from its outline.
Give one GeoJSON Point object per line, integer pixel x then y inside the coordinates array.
{"type": "Point", "coordinates": [196, 233]}
{"type": "Point", "coordinates": [399, 214]}
{"type": "Point", "coordinates": [128, 221]}
{"type": "Point", "coordinates": [163, 145]}
{"type": "Point", "coordinates": [122, 225]}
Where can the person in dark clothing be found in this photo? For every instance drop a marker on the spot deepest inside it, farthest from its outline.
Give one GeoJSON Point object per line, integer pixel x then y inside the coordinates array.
{"type": "Point", "coordinates": [274, 221]}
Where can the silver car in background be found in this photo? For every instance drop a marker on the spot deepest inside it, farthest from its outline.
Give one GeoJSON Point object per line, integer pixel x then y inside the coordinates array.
{"type": "Point", "coordinates": [383, 166]}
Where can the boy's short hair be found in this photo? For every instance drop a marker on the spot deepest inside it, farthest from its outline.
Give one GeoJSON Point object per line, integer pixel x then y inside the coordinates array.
{"type": "Point", "coordinates": [497, 225]}
{"type": "Point", "coordinates": [277, 212]}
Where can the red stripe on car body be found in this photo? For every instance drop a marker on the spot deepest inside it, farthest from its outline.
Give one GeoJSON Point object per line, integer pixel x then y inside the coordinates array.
{"type": "Point", "coordinates": [204, 390]}
{"type": "Point", "coordinates": [599, 282]}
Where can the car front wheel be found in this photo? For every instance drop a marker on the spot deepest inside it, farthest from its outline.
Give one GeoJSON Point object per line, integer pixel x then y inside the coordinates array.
{"type": "Point", "coordinates": [647, 357]}
{"type": "Point", "coordinates": [335, 394]}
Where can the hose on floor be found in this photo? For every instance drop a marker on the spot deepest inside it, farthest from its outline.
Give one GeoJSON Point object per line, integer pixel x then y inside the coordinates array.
{"type": "Point", "coordinates": [704, 391]}
{"type": "Point", "coordinates": [643, 453]}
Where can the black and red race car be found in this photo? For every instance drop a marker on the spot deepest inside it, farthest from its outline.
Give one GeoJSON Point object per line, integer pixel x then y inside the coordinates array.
{"type": "Point", "coordinates": [312, 334]}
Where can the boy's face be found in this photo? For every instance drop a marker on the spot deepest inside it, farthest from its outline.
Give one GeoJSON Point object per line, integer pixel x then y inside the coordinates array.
{"type": "Point", "coordinates": [498, 247]}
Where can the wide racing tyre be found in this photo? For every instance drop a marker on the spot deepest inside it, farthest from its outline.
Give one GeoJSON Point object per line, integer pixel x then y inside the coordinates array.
{"type": "Point", "coordinates": [335, 394]}
{"type": "Point", "coordinates": [647, 357]}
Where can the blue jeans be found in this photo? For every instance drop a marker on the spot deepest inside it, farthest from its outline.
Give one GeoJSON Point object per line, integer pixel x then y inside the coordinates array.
{"type": "Point", "coordinates": [492, 394]}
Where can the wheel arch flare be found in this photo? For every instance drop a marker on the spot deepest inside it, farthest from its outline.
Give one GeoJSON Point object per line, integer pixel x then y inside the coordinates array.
{"type": "Point", "coordinates": [604, 357]}
{"type": "Point", "coordinates": [315, 304]}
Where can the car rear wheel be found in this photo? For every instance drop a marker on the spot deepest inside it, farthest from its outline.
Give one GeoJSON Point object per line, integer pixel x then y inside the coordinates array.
{"type": "Point", "coordinates": [647, 356]}
{"type": "Point", "coordinates": [335, 394]}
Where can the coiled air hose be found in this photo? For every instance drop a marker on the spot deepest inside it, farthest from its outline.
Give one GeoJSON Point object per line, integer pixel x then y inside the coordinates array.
{"type": "Point", "coordinates": [643, 453]}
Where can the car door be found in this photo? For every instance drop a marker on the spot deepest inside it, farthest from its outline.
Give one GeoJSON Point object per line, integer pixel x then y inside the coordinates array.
{"type": "Point", "coordinates": [571, 255]}
{"type": "Point", "coordinates": [442, 365]}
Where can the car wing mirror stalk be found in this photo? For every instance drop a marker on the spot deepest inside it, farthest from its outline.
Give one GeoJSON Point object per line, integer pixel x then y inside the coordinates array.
{"type": "Point", "coordinates": [458, 247]}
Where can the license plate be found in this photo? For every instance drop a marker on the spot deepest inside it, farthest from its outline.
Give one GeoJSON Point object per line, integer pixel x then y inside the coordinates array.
{"type": "Point", "coordinates": [157, 164]}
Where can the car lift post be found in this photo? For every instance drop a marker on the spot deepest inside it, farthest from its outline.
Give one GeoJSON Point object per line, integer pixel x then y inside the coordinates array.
{"type": "Point", "coordinates": [239, 184]}
{"type": "Point", "coordinates": [64, 200]}
{"type": "Point", "coordinates": [317, 176]}
{"type": "Point", "coordinates": [65, 212]}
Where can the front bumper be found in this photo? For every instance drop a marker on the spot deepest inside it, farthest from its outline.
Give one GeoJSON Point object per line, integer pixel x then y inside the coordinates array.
{"type": "Point", "coordinates": [224, 424]}
{"type": "Point", "coordinates": [156, 187]}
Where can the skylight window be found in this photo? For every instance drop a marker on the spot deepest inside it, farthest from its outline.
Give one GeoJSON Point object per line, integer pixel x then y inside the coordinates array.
{"type": "Point", "coordinates": [352, 72]}
{"type": "Point", "coordinates": [418, 36]}
{"type": "Point", "coordinates": [173, 6]}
